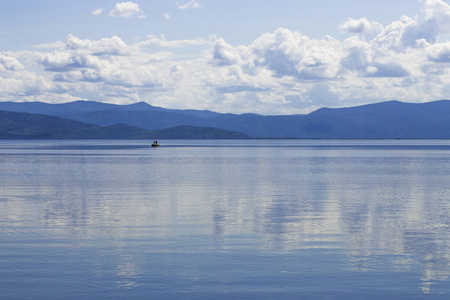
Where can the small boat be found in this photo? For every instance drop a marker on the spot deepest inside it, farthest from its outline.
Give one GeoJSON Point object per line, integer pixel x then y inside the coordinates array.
{"type": "Point", "coordinates": [155, 144]}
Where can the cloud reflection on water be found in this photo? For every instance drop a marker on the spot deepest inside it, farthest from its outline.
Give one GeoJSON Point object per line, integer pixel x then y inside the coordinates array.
{"type": "Point", "coordinates": [378, 208]}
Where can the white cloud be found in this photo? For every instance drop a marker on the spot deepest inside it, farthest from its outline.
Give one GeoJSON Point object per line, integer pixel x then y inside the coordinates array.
{"type": "Point", "coordinates": [357, 55]}
{"type": "Point", "coordinates": [406, 33]}
{"type": "Point", "coordinates": [9, 63]}
{"type": "Point", "coordinates": [391, 69]}
{"type": "Point", "coordinates": [161, 41]}
{"type": "Point", "coordinates": [289, 53]}
{"type": "Point", "coordinates": [439, 53]}
{"type": "Point", "coordinates": [17, 82]}
{"type": "Point", "coordinates": [104, 46]}
{"type": "Point", "coordinates": [109, 66]}
{"type": "Point", "coordinates": [176, 72]}
{"type": "Point", "coordinates": [97, 12]}
{"type": "Point", "coordinates": [127, 10]}
{"type": "Point", "coordinates": [282, 71]}
{"type": "Point", "coordinates": [360, 26]}
{"type": "Point", "coordinates": [224, 54]}
{"type": "Point", "coordinates": [167, 17]}
{"type": "Point", "coordinates": [64, 61]}
{"type": "Point", "coordinates": [436, 9]}
{"type": "Point", "coordinates": [437, 12]}
{"type": "Point", "coordinates": [189, 5]}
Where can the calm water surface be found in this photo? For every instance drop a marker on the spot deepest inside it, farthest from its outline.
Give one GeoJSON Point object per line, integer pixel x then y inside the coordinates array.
{"type": "Point", "coordinates": [225, 220]}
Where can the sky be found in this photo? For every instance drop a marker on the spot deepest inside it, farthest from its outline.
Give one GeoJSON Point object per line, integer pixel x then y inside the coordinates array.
{"type": "Point", "coordinates": [230, 56]}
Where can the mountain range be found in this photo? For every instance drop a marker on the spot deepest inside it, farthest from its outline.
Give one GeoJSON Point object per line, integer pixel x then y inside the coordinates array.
{"type": "Point", "coordinates": [16, 125]}
{"type": "Point", "coordinates": [392, 119]}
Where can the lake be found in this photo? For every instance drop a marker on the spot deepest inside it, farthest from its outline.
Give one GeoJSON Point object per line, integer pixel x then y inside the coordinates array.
{"type": "Point", "coordinates": [252, 219]}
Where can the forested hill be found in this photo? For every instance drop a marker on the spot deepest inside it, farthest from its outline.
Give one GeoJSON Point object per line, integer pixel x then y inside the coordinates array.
{"type": "Point", "coordinates": [15, 125]}
{"type": "Point", "coordinates": [392, 119]}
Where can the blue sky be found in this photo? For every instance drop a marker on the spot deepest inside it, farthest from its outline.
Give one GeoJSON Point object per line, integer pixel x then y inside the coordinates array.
{"type": "Point", "coordinates": [269, 57]}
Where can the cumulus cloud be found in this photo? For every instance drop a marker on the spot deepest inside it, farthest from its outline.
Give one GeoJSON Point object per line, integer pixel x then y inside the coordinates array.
{"type": "Point", "coordinates": [289, 53]}
{"type": "Point", "coordinates": [25, 85]}
{"type": "Point", "coordinates": [224, 54]}
{"type": "Point", "coordinates": [360, 26]}
{"type": "Point", "coordinates": [436, 9]}
{"type": "Point", "coordinates": [283, 71]}
{"type": "Point", "coordinates": [63, 61]}
{"type": "Point", "coordinates": [378, 62]}
{"type": "Point", "coordinates": [127, 10]}
{"type": "Point", "coordinates": [104, 46]}
{"type": "Point", "coordinates": [406, 33]}
{"type": "Point", "coordinates": [387, 70]}
{"type": "Point", "coordinates": [189, 5]}
{"type": "Point", "coordinates": [357, 55]}
{"type": "Point", "coordinates": [176, 72]}
{"type": "Point", "coordinates": [439, 53]}
{"type": "Point", "coordinates": [111, 67]}
{"type": "Point", "coordinates": [9, 63]}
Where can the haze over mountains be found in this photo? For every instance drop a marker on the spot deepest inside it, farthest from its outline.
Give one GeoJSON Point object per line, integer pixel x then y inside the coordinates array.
{"type": "Point", "coordinates": [17, 125]}
{"type": "Point", "coordinates": [388, 120]}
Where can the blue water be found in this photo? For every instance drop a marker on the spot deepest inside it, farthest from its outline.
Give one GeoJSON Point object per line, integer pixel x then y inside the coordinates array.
{"type": "Point", "coordinates": [282, 219]}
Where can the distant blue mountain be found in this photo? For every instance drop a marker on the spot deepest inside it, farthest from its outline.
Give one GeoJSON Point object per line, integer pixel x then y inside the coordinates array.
{"type": "Point", "coordinates": [80, 107]}
{"type": "Point", "coordinates": [17, 125]}
{"type": "Point", "coordinates": [392, 119]}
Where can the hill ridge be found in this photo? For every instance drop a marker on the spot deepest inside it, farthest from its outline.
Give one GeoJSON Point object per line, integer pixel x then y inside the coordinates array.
{"type": "Point", "coordinates": [16, 125]}
{"type": "Point", "coordinates": [389, 119]}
